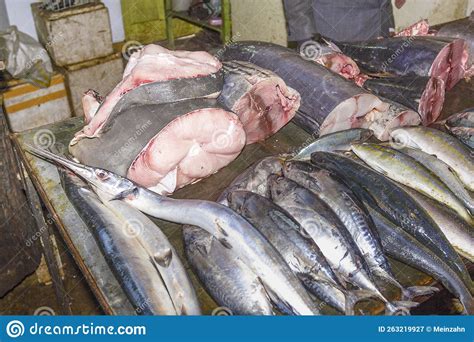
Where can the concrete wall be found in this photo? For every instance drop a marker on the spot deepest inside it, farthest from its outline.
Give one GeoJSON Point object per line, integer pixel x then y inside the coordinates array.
{"type": "Point", "coordinates": [263, 19]}
{"type": "Point", "coordinates": [437, 11]}
{"type": "Point", "coordinates": [19, 13]}
{"type": "Point", "coordinates": [4, 22]}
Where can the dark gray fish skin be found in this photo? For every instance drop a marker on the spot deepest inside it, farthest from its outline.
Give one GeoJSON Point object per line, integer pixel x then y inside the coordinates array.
{"type": "Point", "coordinates": [415, 92]}
{"type": "Point", "coordinates": [170, 91]}
{"type": "Point", "coordinates": [302, 255]}
{"type": "Point", "coordinates": [124, 137]}
{"type": "Point", "coordinates": [321, 90]}
{"type": "Point", "coordinates": [416, 58]}
{"type": "Point", "coordinates": [254, 178]}
{"type": "Point", "coordinates": [336, 141]}
{"type": "Point", "coordinates": [229, 282]}
{"type": "Point", "coordinates": [400, 245]}
{"type": "Point", "coordinates": [464, 134]}
{"type": "Point", "coordinates": [323, 226]}
{"type": "Point", "coordinates": [374, 188]}
{"type": "Point", "coordinates": [128, 260]}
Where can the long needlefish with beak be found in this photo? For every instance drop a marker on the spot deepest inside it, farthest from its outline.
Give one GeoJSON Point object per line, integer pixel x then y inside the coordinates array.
{"type": "Point", "coordinates": [231, 229]}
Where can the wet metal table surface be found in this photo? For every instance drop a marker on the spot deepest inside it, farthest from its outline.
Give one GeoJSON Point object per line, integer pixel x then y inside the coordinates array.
{"type": "Point", "coordinates": [85, 249]}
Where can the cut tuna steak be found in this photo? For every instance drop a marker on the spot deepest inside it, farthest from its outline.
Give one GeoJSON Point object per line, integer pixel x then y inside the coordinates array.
{"type": "Point", "coordinates": [260, 98]}
{"type": "Point", "coordinates": [157, 64]}
{"type": "Point", "coordinates": [165, 146]}
{"type": "Point", "coordinates": [422, 94]}
{"type": "Point", "coordinates": [328, 101]}
{"type": "Point", "coordinates": [417, 55]}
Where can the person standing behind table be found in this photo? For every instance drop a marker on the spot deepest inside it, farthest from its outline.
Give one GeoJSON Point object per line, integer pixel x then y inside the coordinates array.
{"type": "Point", "coordinates": [339, 20]}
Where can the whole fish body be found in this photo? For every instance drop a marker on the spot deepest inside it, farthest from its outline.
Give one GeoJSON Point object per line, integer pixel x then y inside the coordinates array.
{"type": "Point", "coordinates": [407, 170]}
{"type": "Point", "coordinates": [163, 255]}
{"type": "Point", "coordinates": [341, 140]}
{"type": "Point", "coordinates": [444, 146]}
{"type": "Point", "coordinates": [352, 214]}
{"type": "Point", "coordinates": [302, 255]}
{"type": "Point", "coordinates": [459, 233]}
{"type": "Point", "coordinates": [127, 258]}
{"type": "Point", "coordinates": [400, 245]}
{"type": "Point", "coordinates": [321, 224]}
{"type": "Point", "coordinates": [229, 281]}
{"type": "Point", "coordinates": [235, 233]}
{"type": "Point", "coordinates": [442, 170]}
{"type": "Point", "coordinates": [396, 204]}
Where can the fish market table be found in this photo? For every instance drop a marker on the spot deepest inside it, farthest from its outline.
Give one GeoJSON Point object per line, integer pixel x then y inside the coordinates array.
{"type": "Point", "coordinates": [80, 240]}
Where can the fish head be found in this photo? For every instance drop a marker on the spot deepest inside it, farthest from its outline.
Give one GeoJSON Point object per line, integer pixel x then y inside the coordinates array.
{"type": "Point", "coordinates": [280, 186]}
{"type": "Point", "coordinates": [103, 180]}
{"type": "Point", "coordinates": [238, 199]}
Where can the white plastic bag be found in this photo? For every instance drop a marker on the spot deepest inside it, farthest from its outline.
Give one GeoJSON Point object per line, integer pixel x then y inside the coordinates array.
{"type": "Point", "coordinates": [25, 58]}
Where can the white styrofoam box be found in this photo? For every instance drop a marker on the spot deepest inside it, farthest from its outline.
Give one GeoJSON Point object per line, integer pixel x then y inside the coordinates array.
{"type": "Point", "coordinates": [27, 106]}
{"type": "Point", "coordinates": [74, 35]}
{"type": "Point", "coordinates": [101, 74]}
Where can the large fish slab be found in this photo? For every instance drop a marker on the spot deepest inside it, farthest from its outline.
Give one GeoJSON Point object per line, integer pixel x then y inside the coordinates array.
{"type": "Point", "coordinates": [156, 64]}
{"type": "Point", "coordinates": [159, 147]}
{"type": "Point", "coordinates": [400, 245]}
{"type": "Point", "coordinates": [261, 99]}
{"type": "Point", "coordinates": [424, 95]}
{"type": "Point", "coordinates": [229, 281]}
{"type": "Point", "coordinates": [382, 193]}
{"type": "Point", "coordinates": [463, 29]}
{"type": "Point", "coordinates": [127, 258]}
{"type": "Point", "coordinates": [425, 56]}
{"type": "Point", "coordinates": [329, 102]}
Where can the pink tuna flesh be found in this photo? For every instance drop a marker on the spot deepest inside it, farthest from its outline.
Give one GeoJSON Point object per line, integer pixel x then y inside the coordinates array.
{"type": "Point", "coordinates": [189, 148]}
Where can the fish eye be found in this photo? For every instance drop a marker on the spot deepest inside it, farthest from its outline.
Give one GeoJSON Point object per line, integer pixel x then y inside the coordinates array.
{"type": "Point", "coordinates": [101, 174]}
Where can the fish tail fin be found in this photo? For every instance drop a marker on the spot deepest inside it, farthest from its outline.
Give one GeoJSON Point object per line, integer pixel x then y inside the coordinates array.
{"type": "Point", "coordinates": [408, 293]}
{"type": "Point", "coordinates": [355, 296]}
{"type": "Point", "coordinates": [399, 308]}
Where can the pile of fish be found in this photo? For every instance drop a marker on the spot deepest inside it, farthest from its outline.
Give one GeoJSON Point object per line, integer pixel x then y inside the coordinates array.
{"type": "Point", "coordinates": [178, 116]}
{"type": "Point", "coordinates": [316, 224]}
{"type": "Point", "coordinates": [326, 212]}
